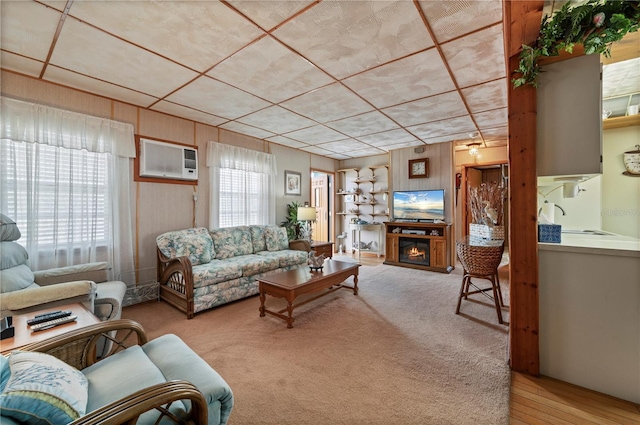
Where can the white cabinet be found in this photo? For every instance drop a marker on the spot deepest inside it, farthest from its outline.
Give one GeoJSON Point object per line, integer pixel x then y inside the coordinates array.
{"type": "Point", "coordinates": [569, 120]}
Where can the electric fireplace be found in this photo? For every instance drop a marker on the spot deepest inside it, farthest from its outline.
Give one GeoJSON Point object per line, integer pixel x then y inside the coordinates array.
{"type": "Point", "coordinates": [414, 250]}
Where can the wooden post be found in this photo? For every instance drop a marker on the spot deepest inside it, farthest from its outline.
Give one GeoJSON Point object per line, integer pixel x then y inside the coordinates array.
{"type": "Point", "coordinates": [521, 26]}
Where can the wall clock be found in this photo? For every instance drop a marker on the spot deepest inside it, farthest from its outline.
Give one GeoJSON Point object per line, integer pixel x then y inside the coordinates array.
{"type": "Point", "coordinates": [418, 168]}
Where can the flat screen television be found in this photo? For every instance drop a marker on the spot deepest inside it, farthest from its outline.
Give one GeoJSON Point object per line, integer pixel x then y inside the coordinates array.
{"type": "Point", "coordinates": [418, 205]}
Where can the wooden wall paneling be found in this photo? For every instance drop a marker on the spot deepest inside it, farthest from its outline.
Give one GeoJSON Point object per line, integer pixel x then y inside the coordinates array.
{"type": "Point", "coordinates": [241, 140]}
{"type": "Point", "coordinates": [521, 26]}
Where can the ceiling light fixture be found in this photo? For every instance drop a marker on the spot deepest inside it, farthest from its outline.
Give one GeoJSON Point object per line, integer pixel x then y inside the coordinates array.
{"type": "Point", "coordinates": [473, 148]}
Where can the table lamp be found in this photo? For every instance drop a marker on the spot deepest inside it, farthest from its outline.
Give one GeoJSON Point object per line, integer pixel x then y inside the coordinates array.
{"type": "Point", "coordinates": [306, 215]}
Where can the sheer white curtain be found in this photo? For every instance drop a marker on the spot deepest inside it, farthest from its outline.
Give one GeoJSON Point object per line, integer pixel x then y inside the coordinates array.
{"type": "Point", "coordinates": [64, 179]}
{"type": "Point", "coordinates": [242, 186]}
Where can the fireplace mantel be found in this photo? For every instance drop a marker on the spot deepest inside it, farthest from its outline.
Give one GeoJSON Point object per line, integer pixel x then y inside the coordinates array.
{"type": "Point", "coordinates": [435, 236]}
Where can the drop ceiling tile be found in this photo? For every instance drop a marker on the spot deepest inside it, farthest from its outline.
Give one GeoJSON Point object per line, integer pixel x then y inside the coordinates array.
{"type": "Point", "coordinates": [446, 138]}
{"type": "Point", "coordinates": [387, 138]}
{"type": "Point", "coordinates": [184, 112]}
{"type": "Point", "coordinates": [467, 57]}
{"type": "Point", "coordinates": [328, 103]}
{"type": "Point", "coordinates": [20, 64]}
{"type": "Point", "coordinates": [91, 85]}
{"type": "Point", "coordinates": [490, 119]}
{"type": "Point", "coordinates": [346, 37]}
{"type": "Point", "coordinates": [316, 150]}
{"type": "Point", "coordinates": [443, 128]}
{"type": "Point", "coordinates": [486, 96]}
{"type": "Point", "coordinates": [316, 134]}
{"type": "Point", "coordinates": [197, 34]}
{"type": "Point", "coordinates": [268, 16]}
{"type": "Point", "coordinates": [366, 152]}
{"type": "Point", "coordinates": [343, 146]}
{"type": "Point", "coordinates": [86, 50]}
{"type": "Point", "coordinates": [276, 120]}
{"type": "Point", "coordinates": [499, 133]}
{"type": "Point", "coordinates": [217, 98]}
{"type": "Point", "coordinates": [621, 78]}
{"type": "Point", "coordinates": [402, 145]}
{"type": "Point", "coordinates": [411, 78]}
{"type": "Point", "coordinates": [370, 122]}
{"type": "Point", "coordinates": [27, 28]}
{"type": "Point", "coordinates": [271, 71]}
{"type": "Point", "coordinates": [434, 108]}
{"type": "Point", "coordinates": [337, 156]}
{"type": "Point", "coordinates": [451, 19]}
{"type": "Point", "coordinates": [246, 129]}
{"type": "Point", "coordinates": [285, 141]}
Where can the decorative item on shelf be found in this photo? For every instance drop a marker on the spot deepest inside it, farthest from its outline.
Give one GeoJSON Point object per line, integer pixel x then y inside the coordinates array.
{"type": "Point", "coordinates": [418, 168]}
{"type": "Point", "coordinates": [316, 262]}
{"type": "Point", "coordinates": [486, 203]}
{"type": "Point", "coordinates": [606, 114]}
{"type": "Point", "coordinates": [354, 211]}
{"type": "Point", "coordinates": [306, 216]}
{"type": "Point", "coordinates": [631, 161]}
{"type": "Point", "coordinates": [594, 24]}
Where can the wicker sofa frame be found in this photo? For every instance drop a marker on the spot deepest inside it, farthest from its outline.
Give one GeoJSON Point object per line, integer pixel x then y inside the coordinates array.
{"type": "Point", "coordinates": [78, 349]}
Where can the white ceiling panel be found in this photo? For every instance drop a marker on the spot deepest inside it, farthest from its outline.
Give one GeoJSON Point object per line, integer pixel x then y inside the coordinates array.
{"type": "Point", "coordinates": [199, 22]}
{"type": "Point", "coordinates": [271, 71]}
{"type": "Point", "coordinates": [447, 138]}
{"type": "Point", "coordinates": [217, 98]}
{"type": "Point", "coordinates": [269, 17]}
{"type": "Point", "coordinates": [27, 28]}
{"type": "Point", "coordinates": [621, 78]}
{"type": "Point", "coordinates": [422, 75]}
{"type": "Point", "coordinates": [387, 138]}
{"type": "Point", "coordinates": [402, 145]}
{"type": "Point", "coordinates": [343, 146]}
{"type": "Point", "coordinates": [337, 156]}
{"type": "Point", "coordinates": [246, 129]}
{"type": "Point", "coordinates": [285, 141]}
{"type": "Point", "coordinates": [316, 134]}
{"type": "Point", "coordinates": [487, 96]}
{"type": "Point", "coordinates": [370, 122]}
{"type": "Point", "coordinates": [72, 79]}
{"type": "Point", "coordinates": [500, 133]}
{"type": "Point", "coordinates": [86, 50]}
{"type": "Point", "coordinates": [451, 19]}
{"type": "Point", "coordinates": [276, 120]}
{"type": "Point", "coordinates": [427, 110]}
{"type": "Point", "coordinates": [366, 152]}
{"type": "Point", "coordinates": [346, 37]}
{"type": "Point", "coordinates": [467, 56]}
{"type": "Point", "coordinates": [20, 64]}
{"type": "Point", "coordinates": [490, 119]}
{"type": "Point", "coordinates": [317, 150]}
{"type": "Point", "coordinates": [192, 114]}
{"type": "Point", "coordinates": [328, 103]}
{"type": "Point", "coordinates": [442, 128]}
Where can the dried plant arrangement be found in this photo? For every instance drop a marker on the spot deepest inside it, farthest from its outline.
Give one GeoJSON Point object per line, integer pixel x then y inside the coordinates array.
{"type": "Point", "coordinates": [487, 203]}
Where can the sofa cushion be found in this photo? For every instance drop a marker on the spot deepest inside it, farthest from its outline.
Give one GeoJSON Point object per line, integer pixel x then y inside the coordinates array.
{"type": "Point", "coordinates": [215, 271]}
{"type": "Point", "coordinates": [257, 238]}
{"type": "Point", "coordinates": [232, 241]}
{"type": "Point", "coordinates": [5, 372]}
{"type": "Point", "coordinates": [43, 390]}
{"type": "Point", "coordinates": [286, 257]}
{"type": "Point", "coordinates": [253, 264]}
{"type": "Point", "coordinates": [8, 229]}
{"type": "Point", "coordinates": [194, 243]}
{"type": "Point", "coordinates": [276, 238]}
{"type": "Point", "coordinates": [12, 254]}
{"type": "Point", "coordinates": [15, 279]}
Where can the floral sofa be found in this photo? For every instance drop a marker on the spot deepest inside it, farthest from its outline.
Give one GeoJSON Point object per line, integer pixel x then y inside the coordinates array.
{"type": "Point", "coordinates": [199, 269]}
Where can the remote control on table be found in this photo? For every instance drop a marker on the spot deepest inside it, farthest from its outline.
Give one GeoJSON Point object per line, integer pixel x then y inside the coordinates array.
{"type": "Point", "coordinates": [52, 323]}
{"type": "Point", "coordinates": [48, 316]}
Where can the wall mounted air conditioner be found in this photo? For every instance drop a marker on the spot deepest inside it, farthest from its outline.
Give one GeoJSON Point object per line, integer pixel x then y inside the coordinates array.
{"type": "Point", "coordinates": [167, 160]}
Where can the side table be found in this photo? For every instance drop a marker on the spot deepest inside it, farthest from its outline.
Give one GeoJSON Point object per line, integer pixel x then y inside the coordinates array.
{"type": "Point", "coordinates": [325, 248]}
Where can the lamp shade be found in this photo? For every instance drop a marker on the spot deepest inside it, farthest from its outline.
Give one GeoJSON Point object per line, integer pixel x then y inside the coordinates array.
{"type": "Point", "coordinates": [306, 213]}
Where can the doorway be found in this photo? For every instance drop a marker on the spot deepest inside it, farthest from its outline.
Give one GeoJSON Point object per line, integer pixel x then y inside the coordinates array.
{"type": "Point", "coordinates": [322, 195]}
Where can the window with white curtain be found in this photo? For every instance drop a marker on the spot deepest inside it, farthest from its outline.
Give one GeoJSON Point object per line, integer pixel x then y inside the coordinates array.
{"type": "Point", "coordinates": [64, 179]}
{"type": "Point", "coordinates": [242, 186]}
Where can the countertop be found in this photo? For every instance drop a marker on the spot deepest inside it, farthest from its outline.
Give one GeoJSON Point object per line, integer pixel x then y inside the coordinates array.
{"type": "Point", "coordinates": [611, 244]}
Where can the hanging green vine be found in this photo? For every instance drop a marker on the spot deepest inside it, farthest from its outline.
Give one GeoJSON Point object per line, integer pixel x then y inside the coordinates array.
{"type": "Point", "coordinates": [595, 24]}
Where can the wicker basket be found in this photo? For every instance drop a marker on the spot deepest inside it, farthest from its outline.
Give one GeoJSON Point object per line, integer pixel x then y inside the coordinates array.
{"type": "Point", "coordinates": [486, 232]}
{"type": "Point", "coordinates": [480, 259]}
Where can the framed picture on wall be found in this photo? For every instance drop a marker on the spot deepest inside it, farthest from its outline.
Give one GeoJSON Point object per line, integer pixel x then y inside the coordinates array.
{"type": "Point", "coordinates": [292, 183]}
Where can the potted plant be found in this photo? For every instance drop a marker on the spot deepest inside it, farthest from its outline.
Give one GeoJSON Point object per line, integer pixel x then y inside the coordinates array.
{"type": "Point", "coordinates": [486, 203]}
{"type": "Point", "coordinates": [291, 223]}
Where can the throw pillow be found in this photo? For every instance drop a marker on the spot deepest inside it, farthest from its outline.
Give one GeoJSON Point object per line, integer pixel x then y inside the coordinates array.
{"type": "Point", "coordinates": [43, 390]}
{"type": "Point", "coordinates": [8, 229]}
{"type": "Point", "coordinates": [15, 278]}
{"type": "Point", "coordinates": [12, 254]}
{"type": "Point", "coordinates": [276, 238]}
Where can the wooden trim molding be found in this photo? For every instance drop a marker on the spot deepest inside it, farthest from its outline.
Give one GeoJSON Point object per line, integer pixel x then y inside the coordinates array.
{"type": "Point", "coordinates": [521, 26]}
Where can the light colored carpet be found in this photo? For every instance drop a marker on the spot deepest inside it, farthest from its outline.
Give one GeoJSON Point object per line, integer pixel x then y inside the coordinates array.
{"type": "Point", "coordinates": [396, 353]}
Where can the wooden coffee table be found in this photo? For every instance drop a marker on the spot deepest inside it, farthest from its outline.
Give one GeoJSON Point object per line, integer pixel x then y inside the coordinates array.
{"type": "Point", "coordinates": [296, 282]}
{"type": "Point", "coordinates": [24, 336]}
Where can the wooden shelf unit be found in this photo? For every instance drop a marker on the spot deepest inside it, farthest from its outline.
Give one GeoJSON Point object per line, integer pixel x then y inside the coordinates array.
{"type": "Point", "coordinates": [439, 245]}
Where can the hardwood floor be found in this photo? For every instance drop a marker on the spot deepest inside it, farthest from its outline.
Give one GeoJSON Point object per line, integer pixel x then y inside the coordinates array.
{"type": "Point", "coordinates": [549, 401]}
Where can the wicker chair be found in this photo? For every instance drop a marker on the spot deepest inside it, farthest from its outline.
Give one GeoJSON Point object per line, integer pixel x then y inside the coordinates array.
{"type": "Point", "coordinates": [480, 259]}
{"type": "Point", "coordinates": [211, 405]}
